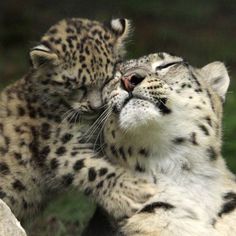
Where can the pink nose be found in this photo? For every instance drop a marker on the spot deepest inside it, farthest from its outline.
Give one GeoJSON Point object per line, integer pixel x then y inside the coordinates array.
{"type": "Point", "coordinates": [131, 81]}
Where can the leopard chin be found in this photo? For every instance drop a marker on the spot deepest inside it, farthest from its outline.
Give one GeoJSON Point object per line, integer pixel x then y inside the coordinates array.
{"type": "Point", "coordinates": [138, 115]}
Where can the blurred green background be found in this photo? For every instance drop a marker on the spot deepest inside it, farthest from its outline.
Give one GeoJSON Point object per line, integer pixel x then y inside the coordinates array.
{"type": "Point", "coordinates": [200, 31]}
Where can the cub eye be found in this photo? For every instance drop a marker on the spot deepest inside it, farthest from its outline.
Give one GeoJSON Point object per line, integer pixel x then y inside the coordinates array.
{"type": "Point", "coordinates": [167, 65]}
{"type": "Point", "coordinates": [83, 90]}
{"type": "Point", "coordinates": [78, 94]}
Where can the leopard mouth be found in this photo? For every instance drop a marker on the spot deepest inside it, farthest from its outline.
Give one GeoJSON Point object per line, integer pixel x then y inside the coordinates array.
{"type": "Point", "coordinates": [160, 104]}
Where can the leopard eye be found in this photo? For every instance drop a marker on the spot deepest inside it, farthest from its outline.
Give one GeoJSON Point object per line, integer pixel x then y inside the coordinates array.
{"type": "Point", "coordinates": [164, 66]}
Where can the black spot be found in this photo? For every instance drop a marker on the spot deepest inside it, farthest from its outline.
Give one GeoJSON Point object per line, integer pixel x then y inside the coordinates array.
{"type": "Point", "coordinates": [87, 191]}
{"type": "Point", "coordinates": [53, 31]}
{"type": "Point", "coordinates": [211, 100]}
{"type": "Point", "coordinates": [81, 58]}
{"type": "Point", "coordinates": [161, 55]}
{"type": "Point", "coordinates": [100, 184]}
{"type": "Point", "coordinates": [73, 154]}
{"type": "Point", "coordinates": [211, 153]}
{"type": "Point", "coordinates": [179, 140]}
{"type": "Point", "coordinates": [113, 133]}
{"type": "Point", "coordinates": [60, 151]}
{"type": "Point", "coordinates": [45, 131]}
{"type": "Point", "coordinates": [113, 150]}
{"type": "Point", "coordinates": [230, 204]}
{"type": "Point", "coordinates": [111, 175]}
{"type": "Point", "coordinates": [21, 111]}
{"type": "Point", "coordinates": [204, 129]}
{"type": "Point", "coordinates": [24, 204]}
{"type": "Point", "coordinates": [143, 152]}
{"type": "Point", "coordinates": [54, 163]}
{"type": "Point", "coordinates": [92, 174]}
{"type": "Point", "coordinates": [162, 107]}
{"type": "Point", "coordinates": [185, 166]}
{"type": "Point", "coordinates": [2, 194]}
{"type": "Point", "coordinates": [4, 169]}
{"type": "Point", "coordinates": [139, 168]}
{"type": "Point", "coordinates": [67, 179]}
{"type": "Point", "coordinates": [17, 156]}
{"type": "Point", "coordinates": [208, 119]}
{"type": "Point", "coordinates": [18, 186]}
{"type": "Point", "coordinates": [150, 208]}
{"type": "Point", "coordinates": [66, 138]}
{"type": "Point", "coordinates": [122, 153]}
{"type": "Point", "coordinates": [102, 171]}
{"type": "Point", "coordinates": [78, 165]}
{"type": "Point", "coordinates": [130, 151]}
{"type": "Point", "coordinates": [44, 153]}
{"type": "Point", "coordinates": [193, 138]}
{"type": "Point", "coordinates": [199, 90]}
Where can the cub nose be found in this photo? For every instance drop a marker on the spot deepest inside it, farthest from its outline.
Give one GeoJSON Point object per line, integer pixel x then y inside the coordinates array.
{"type": "Point", "coordinates": [129, 82]}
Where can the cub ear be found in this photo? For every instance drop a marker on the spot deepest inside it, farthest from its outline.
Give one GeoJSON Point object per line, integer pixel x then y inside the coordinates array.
{"type": "Point", "coordinates": [41, 55]}
{"type": "Point", "coordinates": [122, 30]}
{"type": "Point", "coordinates": [217, 76]}
{"type": "Point", "coordinates": [121, 27]}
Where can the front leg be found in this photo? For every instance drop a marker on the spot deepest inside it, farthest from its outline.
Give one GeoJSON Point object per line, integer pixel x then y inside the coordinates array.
{"type": "Point", "coordinates": [119, 192]}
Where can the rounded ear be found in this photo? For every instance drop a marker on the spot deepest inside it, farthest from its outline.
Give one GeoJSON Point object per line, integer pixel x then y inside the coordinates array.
{"type": "Point", "coordinates": [41, 55]}
{"type": "Point", "coordinates": [122, 29]}
{"type": "Point", "coordinates": [217, 76]}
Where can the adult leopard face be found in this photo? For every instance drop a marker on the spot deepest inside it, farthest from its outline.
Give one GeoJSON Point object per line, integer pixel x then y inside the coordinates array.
{"type": "Point", "coordinates": [159, 101]}
{"type": "Point", "coordinates": [76, 57]}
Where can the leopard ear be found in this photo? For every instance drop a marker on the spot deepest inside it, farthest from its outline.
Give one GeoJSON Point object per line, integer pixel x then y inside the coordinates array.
{"type": "Point", "coordinates": [121, 27]}
{"type": "Point", "coordinates": [41, 55]}
{"type": "Point", "coordinates": [217, 76]}
{"type": "Point", "coordinates": [122, 30]}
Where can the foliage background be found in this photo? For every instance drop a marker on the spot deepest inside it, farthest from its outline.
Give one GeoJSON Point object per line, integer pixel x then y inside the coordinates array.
{"type": "Point", "coordinates": [201, 31]}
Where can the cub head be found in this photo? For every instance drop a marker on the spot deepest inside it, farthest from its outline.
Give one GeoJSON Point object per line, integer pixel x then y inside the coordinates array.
{"type": "Point", "coordinates": [159, 101]}
{"type": "Point", "coordinates": [76, 57]}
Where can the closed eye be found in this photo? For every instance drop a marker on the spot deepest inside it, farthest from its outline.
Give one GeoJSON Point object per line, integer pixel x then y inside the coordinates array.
{"type": "Point", "coordinates": [167, 65]}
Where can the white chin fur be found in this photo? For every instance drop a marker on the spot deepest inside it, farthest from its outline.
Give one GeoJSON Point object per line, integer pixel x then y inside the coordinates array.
{"type": "Point", "coordinates": [138, 116]}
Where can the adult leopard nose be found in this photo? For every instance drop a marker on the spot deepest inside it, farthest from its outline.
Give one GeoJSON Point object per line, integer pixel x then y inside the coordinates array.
{"type": "Point", "coordinates": [129, 82]}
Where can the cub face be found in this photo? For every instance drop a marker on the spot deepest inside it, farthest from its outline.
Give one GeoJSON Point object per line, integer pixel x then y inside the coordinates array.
{"type": "Point", "coordinates": [76, 57]}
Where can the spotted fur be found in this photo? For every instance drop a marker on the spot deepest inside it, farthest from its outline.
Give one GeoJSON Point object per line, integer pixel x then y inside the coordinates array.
{"type": "Point", "coordinates": [166, 125]}
{"type": "Point", "coordinates": [45, 116]}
